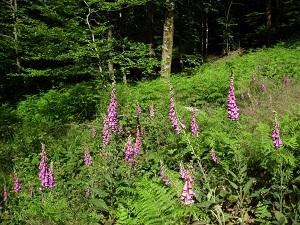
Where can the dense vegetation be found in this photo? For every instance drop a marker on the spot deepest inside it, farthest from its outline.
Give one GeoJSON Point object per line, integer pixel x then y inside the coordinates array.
{"type": "Point", "coordinates": [93, 133]}
{"type": "Point", "coordinates": [247, 181]}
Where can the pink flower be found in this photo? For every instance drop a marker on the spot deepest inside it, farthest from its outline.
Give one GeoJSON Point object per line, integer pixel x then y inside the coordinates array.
{"type": "Point", "coordinates": [5, 195]}
{"type": "Point", "coordinates": [88, 191]}
{"type": "Point", "coordinates": [138, 144]}
{"type": "Point", "coordinates": [248, 93]}
{"type": "Point", "coordinates": [181, 170]}
{"type": "Point", "coordinates": [262, 86]}
{"type": "Point", "coordinates": [18, 185]}
{"type": "Point", "coordinates": [152, 110]}
{"type": "Point", "coordinates": [188, 192]}
{"type": "Point", "coordinates": [181, 123]}
{"type": "Point", "coordinates": [46, 174]}
{"type": "Point", "coordinates": [287, 81]}
{"type": "Point", "coordinates": [94, 132]}
{"type": "Point", "coordinates": [105, 133]}
{"type": "Point", "coordinates": [87, 157]}
{"type": "Point", "coordinates": [139, 111]}
{"type": "Point", "coordinates": [112, 118]}
{"type": "Point", "coordinates": [253, 78]}
{"type": "Point", "coordinates": [162, 175]}
{"type": "Point", "coordinates": [276, 136]}
{"type": "Point", "coordinates": [232, 108]}
{"type": "Point", "coordinates": [129, 153]}
{"type": "Point", "coordinates": [194, 126]}
{"type": "Point", "coordinates": [30, 190]}
{"type": "Point", "coordinates": [121, 128]}
{"type": "Point", "coordinates": [172, 114]}
{"type": "Point", "coordinates": [213, 156]}
{"type": "Point", "coordinates": [259, 67]}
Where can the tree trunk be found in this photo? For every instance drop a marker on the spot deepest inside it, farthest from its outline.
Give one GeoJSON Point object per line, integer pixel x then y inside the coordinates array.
{"type": "Point", "coordinates": [206, 39]}
{"type": "Point", "coordinates": [167, 45]}
{"type": "Point", "coordinates": [110, 64]}
{"type": "Point", "coordinates": [269, 14]}
{"type": "Point", "coordinates": [150, 28]}
{"type": "Point", "coordinates": [14, 7]}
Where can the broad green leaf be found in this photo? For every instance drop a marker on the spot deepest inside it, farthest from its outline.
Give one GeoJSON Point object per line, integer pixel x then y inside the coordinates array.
{"type": "Point", "coordinates": [100, 204]}
{"type": "Point", "coordinates": [248, 185]}
{"type": "Point", "coordinates": [280, 217]}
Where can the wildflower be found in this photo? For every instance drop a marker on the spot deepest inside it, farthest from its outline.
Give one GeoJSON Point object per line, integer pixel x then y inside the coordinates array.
{"type": "Point", "coordinates": [112, 111]}
{"type": "Point", "coordinates": [30, 190]}
{"type": "Point", "coordinates": [276, 136]}
{"type": "Point", "coordinates": [259, 67]}
{"type": "Point", "coordinates": [213, 156]}
{"type": "Point", "coordinates": [88, 191]}
{"type": "Point", "coordinates": [287, 81]}
{"type": "Point", "coordinates": [105, 132]}
{"type": "Point", "coordinates": [139, 111]}
{"type": "Point", "coordinates": [172, 114]}
{"type": "Point", "coordinates": [253, 78]}
{"type": "Point", "coordinates": [137, 146]}
{"type": "Point", "coordinates": [152, 110]}
{"type": "Point", "coordinates": [181, 123]}
{"type": "Point", "coordinates": [129, 151]}
{"type": "Point", "coordinates": [181, 170]}
{"type": "Point", "coordinates": [5, 195]}
{"type": "Point", "coordinates": [18, 185]}
{"type": "Point", "coordinates": [87, 157]}
{"type": "Point", "coordinates": [232, 109]}
{"type": "Point", "coordinates": [162, 174]}
{"type": "Point", "coordinates": [121, 128]}
{"type": "Point", "coordinates": [262, 86]}
{"type": "Point", "coordinates": [188, 193]}
{"type": "Point", "coordinates": [248, 93]}
{"type": "Point", "coordinates": [256, 101]}
{"type": "Point", "coordinates": [194, 126]}
{"type": "Point", "coordinates": [46, 174]}
{"type": "Point", "coordinates": [94, 132]}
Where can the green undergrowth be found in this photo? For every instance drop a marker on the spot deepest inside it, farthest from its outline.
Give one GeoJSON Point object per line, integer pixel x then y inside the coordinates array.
{"type": "Point", "coordinates": [253, 183]}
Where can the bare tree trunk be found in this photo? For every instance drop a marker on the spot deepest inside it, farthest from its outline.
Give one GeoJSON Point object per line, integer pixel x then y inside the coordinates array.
{"type": "Point", "coordinates": [206, 38]}
{"type": "Point", "coordinates": [150, 25]}
{"type": "Point", "coordinates": [269, 14]}
{"type": "Point", "coordinates": [110, 64]}
{"type": "Point", "coordinates": [14, 7]}
{"type": "Point", "coordinates": [167, 45]}
{"type": "Point", "coordinates": [93, 40]}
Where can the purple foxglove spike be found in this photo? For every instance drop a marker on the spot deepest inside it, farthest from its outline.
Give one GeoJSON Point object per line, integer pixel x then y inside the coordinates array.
{"type": "Point", "coordinates": [129, 153]}
{"type": "Point", "coordinates": [5, 195]}
{"type": "Point", "coordinates": [276, 136]}
{"type": "Point", "coordinates": [172, 114]}
{"type": "Point", "coordinates": [88, 191]}
{"type": "Point", "coordinates": [105, 133]}
{"type": "Point", "coordinates": [256, 101]}
{"type": "Point", "coordinates": [194, 126]}
{"type": "Point", "coordinates": [87, 157]}
{"type": "Point", "coordinates": [162, 175]}
{"type": "Point", "coordinates": [138, 143]}
{"type": "Point", "coordinates": [181, 123]}
{"type": "Point", "coordinates": [139, 111]}
{"type": "Point", "coordinates": [248, 93]}
{"type": "Point", "coordinates": [259, 68]}
{"type": "Point", "coordinates": [121, 128]}
{"type": "Point", "coordinates": [112, 111]}
{"type": "Point", "coordinates": [287, 81]}
{"type": "Point", "coordinates": [181, 170]}
{"type": "Point", "coordinates": [188, 192]}
{"type": "Point", "coordinates": [152, 110]}
{"type": "Point", "coordinates": [94, 132]}
{"type": "Point", "coordinates": [30, 190]}
{"type": "Point", "coordinates": [262, 86]}
{"type": "Point", "coordinates": [18, 185]}
{"type": "Point", "coordinates": [232, 108]}
{"type": "Point", "coordinates": [213, 156]}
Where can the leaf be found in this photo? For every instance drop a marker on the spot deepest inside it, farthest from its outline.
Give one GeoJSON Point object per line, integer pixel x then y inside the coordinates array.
{"type": "Point", "coordinates": [233, 184]}
{"type": "Point", "coordinates": [99, 192]}
{"type": "Point", "coordinates": [100, 204]}
{"type": "Point", "coordinates": [200, 222]}
{"type": "Point", "coordinates": [280, 217]}
{"type": "Point", "coordinates": [248, 185]}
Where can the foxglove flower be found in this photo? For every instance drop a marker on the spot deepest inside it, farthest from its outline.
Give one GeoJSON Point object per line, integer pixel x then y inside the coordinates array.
{"type": "Point", "coordinates": [194, 126]}
{"type": "Point", "coordinates": [139, 111]}
{"type": "Point", "coordinates": [259, 68]}
{"type": "Point", "coordinates": [5, 195]}
{"type": "Point", "coordinates": [30, 190]}
{"type": "Point", "coordinates": [129, 153]}
{"type": "Point", "coordinates": [121, 128]}
{"type": "Point", "coordinates": [162, 175]}
{"type": "Point", "coordinates": [253, 77]}
{"type": "Point", "coordinates": [232, 108]}
{"type": "Point", "coordinates": [18, 185]}
{"type": "Point", "coordinates": [181, 170]}
{"type": "Point", "coordinates": [152, 110]}
{"type": "Point", "coordinates": [248, 93]}
{"type": "Point", "coordinates": [276, 136]}
{"type": "Point", "coordinates": [172, 114]}
{"type": "Point", "coordinates": [112, 111]}
{"type": "Point", "coordinates": [138, 144]}
{"type": "Point", "coordinates": [87, 157]}
{"type": "Point", "coordinates": [262, 86]}
{"type": "Point", "coordinates": [94, 132]}
{"type": "Point", "coordinates": [105, 133]}
{"type": "Point", "coordinates": [181, 123]}
{"type": "Point", "coordinates": [213, 156]}
{"type": "Point", "coordinates": [287, 81]}
{"type": "Point", "coordinates": [88, 191]}
{"type": "Point", "coordinates": [46, 174]}
{"type": "Point", "coordinates": [188, 193]}
{"type": "Point", "coordinates": [256, 101]}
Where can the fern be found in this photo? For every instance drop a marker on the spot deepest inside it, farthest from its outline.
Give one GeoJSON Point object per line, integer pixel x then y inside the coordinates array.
{"type": "Point", "coordinates": [149, 202]}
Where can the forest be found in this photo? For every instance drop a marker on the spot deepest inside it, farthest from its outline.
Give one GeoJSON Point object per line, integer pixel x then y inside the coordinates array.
{"type": "Point", "coordinates": [149, 112]}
